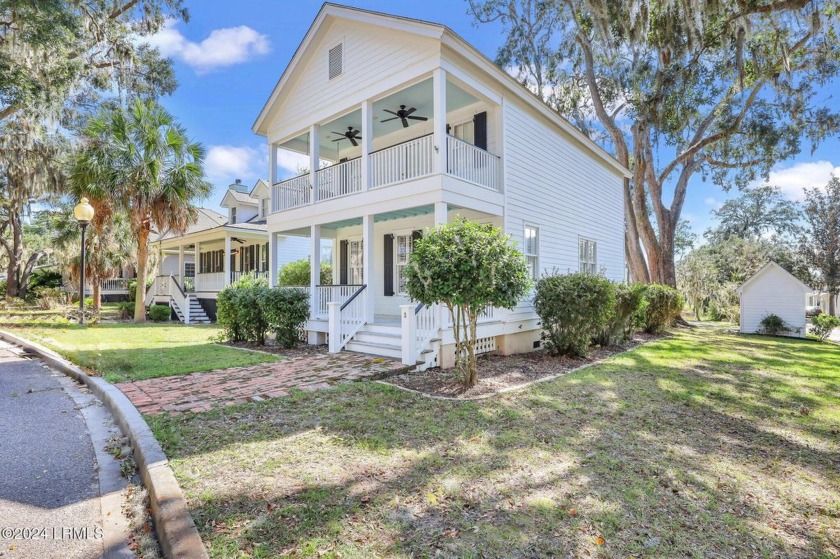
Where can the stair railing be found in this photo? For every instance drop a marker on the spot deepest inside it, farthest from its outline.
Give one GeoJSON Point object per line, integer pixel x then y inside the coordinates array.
{"type": "Point", "coordinates": [420, 325]}
{"type": "Point", "coordinates": [180, 298]}
{"type": "Point", "coordinates": [346, 319]}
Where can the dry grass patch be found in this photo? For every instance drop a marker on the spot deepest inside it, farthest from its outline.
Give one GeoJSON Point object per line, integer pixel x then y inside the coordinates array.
{"type": "Point", "coordinates": [691, 446]}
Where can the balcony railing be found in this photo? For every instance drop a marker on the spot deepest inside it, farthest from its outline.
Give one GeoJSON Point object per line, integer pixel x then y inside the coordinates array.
{"type": "Point", "coordinates": [290, 194]}
{"type": "Point", "coordinates": [338, 180]}
{"type": "Point", "coordinates": [473, 164]}
{"type": "Point", "coordinates": [409, 160]}
{"type": "Point", "coordinates": [401, 162]}
{"type": "Point", "coordinates": [214, 281]}
{"type": "Point", "coordinates": [236, 276]}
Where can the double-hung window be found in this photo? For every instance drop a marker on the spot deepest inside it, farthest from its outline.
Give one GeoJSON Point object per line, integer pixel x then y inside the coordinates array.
{"type": "Point", "coordinates": [588, 256]}
{"type": "Point", "coordinates": [532, 250]}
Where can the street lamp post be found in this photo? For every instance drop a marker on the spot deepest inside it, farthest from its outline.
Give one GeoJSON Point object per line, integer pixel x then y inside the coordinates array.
{"type": "Point", "coordinates": [83, 213]}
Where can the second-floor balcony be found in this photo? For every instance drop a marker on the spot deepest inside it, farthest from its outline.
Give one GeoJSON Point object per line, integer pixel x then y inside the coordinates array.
{"type": "Point", "coordinates": [405, 161]}
{"type": "Point", "coordinates": [431, 127]}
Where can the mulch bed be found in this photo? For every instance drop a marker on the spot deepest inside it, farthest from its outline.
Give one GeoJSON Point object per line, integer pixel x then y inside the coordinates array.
{"type": "Point", "coordinates": [497, 373]}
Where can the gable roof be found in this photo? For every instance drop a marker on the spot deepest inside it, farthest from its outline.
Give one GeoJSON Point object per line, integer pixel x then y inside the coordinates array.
{"type": "Point", "coordinates": [447, 37]}
{"type": "Point", "coordinates": [207, 219]}
{"type": "Point", "coordinates": [771, 265]}
{"type": "Point", "coordinates": [261, 184]}
{"type": "Point", "coordinates": [239, 198]}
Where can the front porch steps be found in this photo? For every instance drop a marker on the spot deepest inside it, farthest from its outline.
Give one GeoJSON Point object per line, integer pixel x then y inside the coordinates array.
{"type": "Point", "coordinates": [197, 313]}
{"type": "Point", "coordinates": [377, 339]}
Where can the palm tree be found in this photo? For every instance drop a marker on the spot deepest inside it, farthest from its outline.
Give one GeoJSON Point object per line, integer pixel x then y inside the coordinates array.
{"type": "Point", "coordinates": [140, 160]}
{"type": "Point", "coordinates": [110, 245]}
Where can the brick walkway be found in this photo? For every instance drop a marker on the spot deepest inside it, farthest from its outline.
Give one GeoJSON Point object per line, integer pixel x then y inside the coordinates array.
{"type": "Point", "coordinates": [198, 392]}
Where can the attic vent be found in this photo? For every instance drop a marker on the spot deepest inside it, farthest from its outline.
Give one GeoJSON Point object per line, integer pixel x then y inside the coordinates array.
{"type": "Point", "coordinates": [336, 56]}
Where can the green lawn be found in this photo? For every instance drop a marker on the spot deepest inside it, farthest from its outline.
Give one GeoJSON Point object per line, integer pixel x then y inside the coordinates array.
{"type": "Point", "coordinates": [704, 444]}
{"type": "Point", "coordinates": [125, 351]}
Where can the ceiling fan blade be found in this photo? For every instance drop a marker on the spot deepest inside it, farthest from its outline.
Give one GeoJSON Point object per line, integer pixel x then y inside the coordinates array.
{"type": "Point", "coordinates": [404, 122]}
{"type": "Point", "coordinates": [389, 111]}
{"type": "Point", "coordinates": [411, 110]}
{"type": "Point", "coordinates": [357, 137]}
{"type": "Point", "coordinates": [338, 139]}
{"type": "Point", "coordinates": [353, 141]}
{"type": "Point", "coordinates": [418, 117]}
{"type": "Point", "coordinates": [389, 119]}
{"type": "Point", "coordinates": [339, 133]}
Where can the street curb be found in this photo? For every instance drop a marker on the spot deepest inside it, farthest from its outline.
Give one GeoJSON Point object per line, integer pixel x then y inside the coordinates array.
{"type": "Point", "coordinates": [175, 527]}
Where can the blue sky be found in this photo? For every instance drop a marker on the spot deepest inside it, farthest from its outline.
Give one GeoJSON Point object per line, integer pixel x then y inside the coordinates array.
{"type": "Point", "coordinates": [230, 55]}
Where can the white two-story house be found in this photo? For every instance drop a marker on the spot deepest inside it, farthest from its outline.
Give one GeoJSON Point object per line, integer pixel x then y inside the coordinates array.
{"type": "Point", "coordinates": [407, 126]}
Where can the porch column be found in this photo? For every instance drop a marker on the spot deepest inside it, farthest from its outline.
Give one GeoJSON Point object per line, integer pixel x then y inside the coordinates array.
{"type": "Point", "coordinates": [226, 260]}
{"type": "Point", "coordinates": [439, 103]}
{"type": "Point", "coordinates": [181, 265]}
{"type": "Point", "coordinates": [272, 260]}
{"type": "Point", "coordinates": [314, 267]}
{"type": "Point", "coordinates": [314, 161]}
{"type": "Point", "coordinates": [367, 141]}
{"type": "Point", "coordinates": [367, 265]}
{"type": "Point", "coordinates": [272, 177]}
{"type": "Point", "coordinates": [441, 213]}
{"type": "Point", "coordinates": [197, 258]}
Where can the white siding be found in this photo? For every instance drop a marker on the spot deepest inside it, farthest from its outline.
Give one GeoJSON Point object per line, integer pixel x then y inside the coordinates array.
{"type": "Point", "coordinates": [169, 266]}
{"type": "Point", "coordinates": [291, 248]}
{"type": "Point", "coordinates": [556, 185]}
{"type": "Point", "coordinates": [371, 54]}
{"type": "Point", "coordinates": [772, 291]}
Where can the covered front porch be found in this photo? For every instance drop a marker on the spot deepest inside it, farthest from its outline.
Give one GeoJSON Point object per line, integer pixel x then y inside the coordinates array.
{"type": "Point", "coordinates": [366, 307]}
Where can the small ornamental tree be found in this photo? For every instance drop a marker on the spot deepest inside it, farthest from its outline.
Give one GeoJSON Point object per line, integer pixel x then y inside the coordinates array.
{"type": "Point", "coordinates": [466, 266]}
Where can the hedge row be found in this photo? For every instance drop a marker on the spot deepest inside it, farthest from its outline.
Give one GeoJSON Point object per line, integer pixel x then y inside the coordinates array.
{"type": "Point", "coordinates": [579, 309]}
{"type": "Point", "coordinates": [248, 309]}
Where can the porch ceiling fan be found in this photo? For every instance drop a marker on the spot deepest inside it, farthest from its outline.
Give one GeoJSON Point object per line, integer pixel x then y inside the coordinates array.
{"type": "Point", "coordinates": [404, 115]}
{"type": "Point", "coordinates": [351, 134]}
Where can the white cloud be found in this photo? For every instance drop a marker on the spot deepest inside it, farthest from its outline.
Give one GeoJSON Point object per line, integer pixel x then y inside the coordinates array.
{"type": "Point", "coordinates": [226, 163]}
{"type": "Point", "coordinates": [793, 180]}
{"type": "Point", "coordinates": [222, 48]}
{"type": "Point", "coordinates": [713, 202]}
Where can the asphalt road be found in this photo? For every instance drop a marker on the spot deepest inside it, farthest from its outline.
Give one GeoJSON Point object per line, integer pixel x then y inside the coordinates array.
{"type": "Point", "coordinates": [60, 493]}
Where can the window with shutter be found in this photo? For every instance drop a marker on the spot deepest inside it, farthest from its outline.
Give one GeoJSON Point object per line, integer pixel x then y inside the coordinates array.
{"type": "Point", "coordinates": [336, 60]}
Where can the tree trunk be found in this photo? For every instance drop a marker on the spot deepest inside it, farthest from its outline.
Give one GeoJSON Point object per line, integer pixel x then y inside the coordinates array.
{"type": "Point", "coordinates": [473, 366]}
{"type": "Point", "coordinates": [97, 294]}
{"type": "Point", "coordinates": [632, 249]}
{"type": "Point", "coordinates": [15, 255]}
{"type": "Point", "coordinates": [832, 305]}
{"type": "Point", "coordinates": [142, 263]}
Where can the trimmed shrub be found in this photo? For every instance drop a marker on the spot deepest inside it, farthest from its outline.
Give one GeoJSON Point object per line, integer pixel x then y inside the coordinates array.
{"type": "Point", "coordinates": [773, 325]}
{"type": "Point", "coordinates": [573, 309]}
{"type": "Point", "coordinates": [42, 279]}
{"type": "Point", "coordinates": [297, 273]}
{"type": "Point", "coordinates": [824, 324]}
{"type": "Point", "coordinates": [623, 320]}
{"type": "Point", "coordinates": [286, 312]}
{"type": "Point", "coordinates": [159, 313]}
{"type": "Point", "coordinates": [663, 306]}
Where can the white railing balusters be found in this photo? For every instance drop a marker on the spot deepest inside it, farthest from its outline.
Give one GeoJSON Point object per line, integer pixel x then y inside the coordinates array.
{"type": "Point", "coordinates": [346, 319]}
{"type": "Point", "coordinates": [409, 160]}
{"type": "Point", "coordinates": [473, 164]}
{"type": "Point", "coordinates": [339, 180]}
{"type": "Point", "coordinates": [290, 193]}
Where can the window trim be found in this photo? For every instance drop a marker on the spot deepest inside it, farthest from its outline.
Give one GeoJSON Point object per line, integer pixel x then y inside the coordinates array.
{"type": "Point", "coordinates": [536, 255]}
{"type": "Point", "coordinates": [594, 263]}
{"type": "Point", "coordinates": [397, 234]}
{"type": "Point", "coordinates": [233, 215]}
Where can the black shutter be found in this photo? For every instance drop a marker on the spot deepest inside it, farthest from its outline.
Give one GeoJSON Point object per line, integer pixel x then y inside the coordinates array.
{"type": "Point", "coordinates": [415, 235]}
{"type": "Point", "coordinates": [388, 267]}
{"type": "Point", "coordinates": [265, 258]}
{"type": "Point", "coordinates": [480, 130]}
{"type": "Point", "coordinates": [342, 261]}
{"type": "Point", "coordinates": [252, 257]}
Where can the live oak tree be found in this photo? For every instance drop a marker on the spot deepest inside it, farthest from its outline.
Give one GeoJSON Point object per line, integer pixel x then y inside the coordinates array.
{"type": "Point", "coordinates": [466, 266]}
{"type": "Point", "coordinates": [59, 60]}
{"type": "Point", "coordinates": [142, 160]}
{"type": "Point", "coordinates": [758, 211]}
{"type": "Point", "coordinates": [821, 242]}
{"type": "Point", "coordinates": [677, 88]}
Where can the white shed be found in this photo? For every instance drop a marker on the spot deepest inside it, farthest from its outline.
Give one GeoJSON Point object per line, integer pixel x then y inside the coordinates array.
{"type": "Point", "coordinates": [773, 290]}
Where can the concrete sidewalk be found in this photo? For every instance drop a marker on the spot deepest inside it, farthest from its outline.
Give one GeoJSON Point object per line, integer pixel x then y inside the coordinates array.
{"type": "Point", "coordinates": [60, 492]}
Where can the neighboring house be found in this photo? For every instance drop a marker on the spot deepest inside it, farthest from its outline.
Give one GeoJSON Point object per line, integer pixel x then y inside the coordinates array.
{"type": "Point", "coordinates": [773, 290]}
{"type": "Point", "coordinates": [194, 266]}
{"type": "Point", "coordinates": [822, 300]}
{"type": "Point", "coordinates": [409, 126]}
